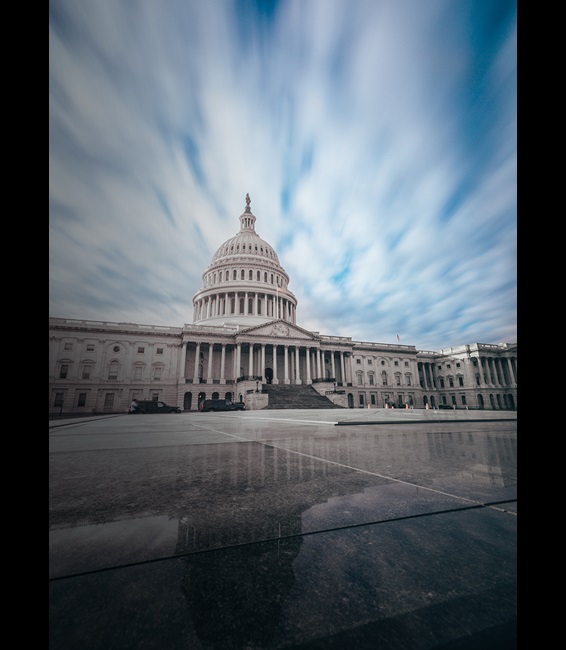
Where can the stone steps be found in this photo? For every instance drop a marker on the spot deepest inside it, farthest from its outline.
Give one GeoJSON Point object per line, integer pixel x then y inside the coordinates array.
{"type": "Point", "coordinates": [293, 396]}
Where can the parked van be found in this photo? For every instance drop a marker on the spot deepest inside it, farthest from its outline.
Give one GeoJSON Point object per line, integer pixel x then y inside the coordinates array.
{"type": "Point", "coordinates": [156, 406]}
{"type": "Point", "coordinates": [222, 405]}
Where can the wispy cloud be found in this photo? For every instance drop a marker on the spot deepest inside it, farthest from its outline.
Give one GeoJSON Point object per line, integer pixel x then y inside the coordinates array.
{"type": "Point", "coordinates": [377, 141]}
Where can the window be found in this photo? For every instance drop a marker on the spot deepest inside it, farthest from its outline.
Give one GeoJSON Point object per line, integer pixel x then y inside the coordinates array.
{"type": "Point", "coordinates": [64, 371]}
{"type": "Point", "coordinates": [384, 378]}
{"type": "Point", "coordinates": [265, 277]}
{"type": "Point", "coordinates": [408, 379]}
{"type": "Point", "coordinates": [478, 380]}
{"type": "Point", "coordinates": [460, 381]}
{"type": "Point", "coordinates": [451, 381]}
{"type": "Point", "coordinates": [358, 361]}
{"type": "Point", "coordinates": [58, 401]}
{"type": "Point", "coordinates": [371, 380]}
{"type": "Point", "coordinates": [382, 362]}
{"type": "Point", "coordinates": [243, 275]}
{"type": "Point", "coordinates": [251, 275]}
{"type": "Point", "coordinates": [220, 276]}
{"type": "Point", "coordinates": [113, 370]}
{"type": "Point", "coordinates": [396, 363]}
{"type": "Point", "coordinates": [463, 398]}
{"type": "Point", "coordinates": [157, 373]}
{"type": "Point", "coordinates": [359, 378]}
{"type": "Point", "coordinates": [369, 362]}
{"type": "Point", "coordinates": [90, 347]}
{"type": "Point", "coordinates": [138, 372]}
{"type": "Point", "coordinates": [458, 364]}
{"type": "Point", "coordinates": [448, 365]}
{"type": "Point", "coordinates": [398, 380]}
{"type": "Point", "coordinates": [141, 350]}
{"type": "Point", "coordinates": [159, 351]}
{"type": "Point", "coordinates": [234, 274]}
{"type": "Point", "coordinates": [361, 398]}
{"type": "Point", "coordinates": [86, 371]}
{"type": "Point", "coordinates": [258, 276]}
{"type": "Point", "coordinates": [109, 401]}
{"type": "Point", "coordinates": [68, 346]}
{"type": "Point", "coordinates": [406, 364]}
{"type": "Point", "coordinates": [81, 401]}
{"type": "Point", "coordinates": [441, 380]}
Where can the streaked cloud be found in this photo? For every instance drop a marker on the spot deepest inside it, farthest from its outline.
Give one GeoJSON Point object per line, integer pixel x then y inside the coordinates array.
{"type": "Point", "coordinates": [377, 141]}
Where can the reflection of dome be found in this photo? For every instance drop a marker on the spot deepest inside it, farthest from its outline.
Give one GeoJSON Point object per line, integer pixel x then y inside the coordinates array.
{"type": "Point", "coordinates": [245, 284]}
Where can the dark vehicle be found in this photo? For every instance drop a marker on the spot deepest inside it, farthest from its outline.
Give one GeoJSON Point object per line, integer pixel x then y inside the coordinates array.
{"type": "Point", "coordinates": [222, 405]}
{"type": "Point", "coordinates": [156, 406]}
{"type": "Point", "coordinates": [446, 406]}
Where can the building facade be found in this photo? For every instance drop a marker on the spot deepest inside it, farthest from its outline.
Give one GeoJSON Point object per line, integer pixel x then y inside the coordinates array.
{"type": "Point", "coordinates": [244, 335]}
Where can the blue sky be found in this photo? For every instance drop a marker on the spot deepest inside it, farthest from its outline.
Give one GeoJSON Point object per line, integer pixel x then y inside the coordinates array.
{"type": "Point", "coordinates": [376, 138]}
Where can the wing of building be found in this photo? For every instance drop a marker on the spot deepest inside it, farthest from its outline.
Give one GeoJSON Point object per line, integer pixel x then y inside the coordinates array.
{"type": "Point", "coordinates": [244, 344]}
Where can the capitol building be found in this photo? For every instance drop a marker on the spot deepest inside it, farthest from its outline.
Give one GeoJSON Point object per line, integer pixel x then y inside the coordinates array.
{"type": "Point", "coordinates": [245, 344]}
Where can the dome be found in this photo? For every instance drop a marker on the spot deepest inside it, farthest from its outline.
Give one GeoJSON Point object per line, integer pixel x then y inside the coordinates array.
{"type": "Point", "coordinates": [245, 283]}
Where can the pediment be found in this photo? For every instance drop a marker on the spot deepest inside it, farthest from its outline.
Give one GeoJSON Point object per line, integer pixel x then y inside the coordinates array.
{"type": "Point", "coordinates": [280, 329]}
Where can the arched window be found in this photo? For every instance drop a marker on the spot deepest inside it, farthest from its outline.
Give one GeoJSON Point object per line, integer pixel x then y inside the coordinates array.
{"type": "Point", "coordinates": [251, 275]}
{"type": "Point", "coordinates": [258, 276]}
{"type": "Point", "coordinates": [265, 277]}
{"type": "Point", "coordinates": [384, 378]}
{"type": "Point", "coordinates": [113, 370]}
{"type": "Point", "coordinates": [243, 275]}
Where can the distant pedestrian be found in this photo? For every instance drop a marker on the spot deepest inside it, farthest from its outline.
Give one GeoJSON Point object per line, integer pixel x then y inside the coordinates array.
{"type": "Point", "coordinates": [134, 408]}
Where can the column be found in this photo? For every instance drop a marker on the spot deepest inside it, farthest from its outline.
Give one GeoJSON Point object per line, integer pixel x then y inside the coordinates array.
{"type": "Point", "coordinates": [308, 364]}
{"type": "Point", "coordinates": [197, 361]}
{"type": "Point", "coordinates": [285, 351]}
{"type": "Point", "coordinates": [255, 304]}
{"type": "Point", "coordinates": [297, 367]}
{"type": "Point", "coordinates": [246, 303]}
{"type": "Point", "coordinates": [333, 366]}
{"type": "Point", "coordinates": [223, 364]}
{"type": "Point", "coordinates": [352, 370]}
{"type": "Point", "coordinates": [183, 362]}
{"type": "Point", "coordinates": [210, 351]}
{"type": "Point", "coordinates": [490, 371]}
{"type": "Point", "coordinates": [238, 360]}
{"type": "Point", "coordinates": [510, 367]}
{"type": "Point", "coordinates": [250, 359]}
{"type": "Point", "coordinates": [262, 366]}
{"type": "Point", "coordinates": [342, 368]}
{"type": "Point", "coordinates": [275, 378]}
{"type": "Point", "coordinates": [319, 372]}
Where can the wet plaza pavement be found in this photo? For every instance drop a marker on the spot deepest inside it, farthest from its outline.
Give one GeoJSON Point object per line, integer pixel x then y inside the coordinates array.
{"type": "Point", "coordinates": [284, 529]}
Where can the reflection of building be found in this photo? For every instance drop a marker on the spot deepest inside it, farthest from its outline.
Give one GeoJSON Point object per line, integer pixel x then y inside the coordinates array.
{"type": "Point", "coordinates": [244, 333]}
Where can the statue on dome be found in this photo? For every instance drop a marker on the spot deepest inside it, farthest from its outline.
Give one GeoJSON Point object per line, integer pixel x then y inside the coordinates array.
{"type": "Point", "coordinates": [248, 200]}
